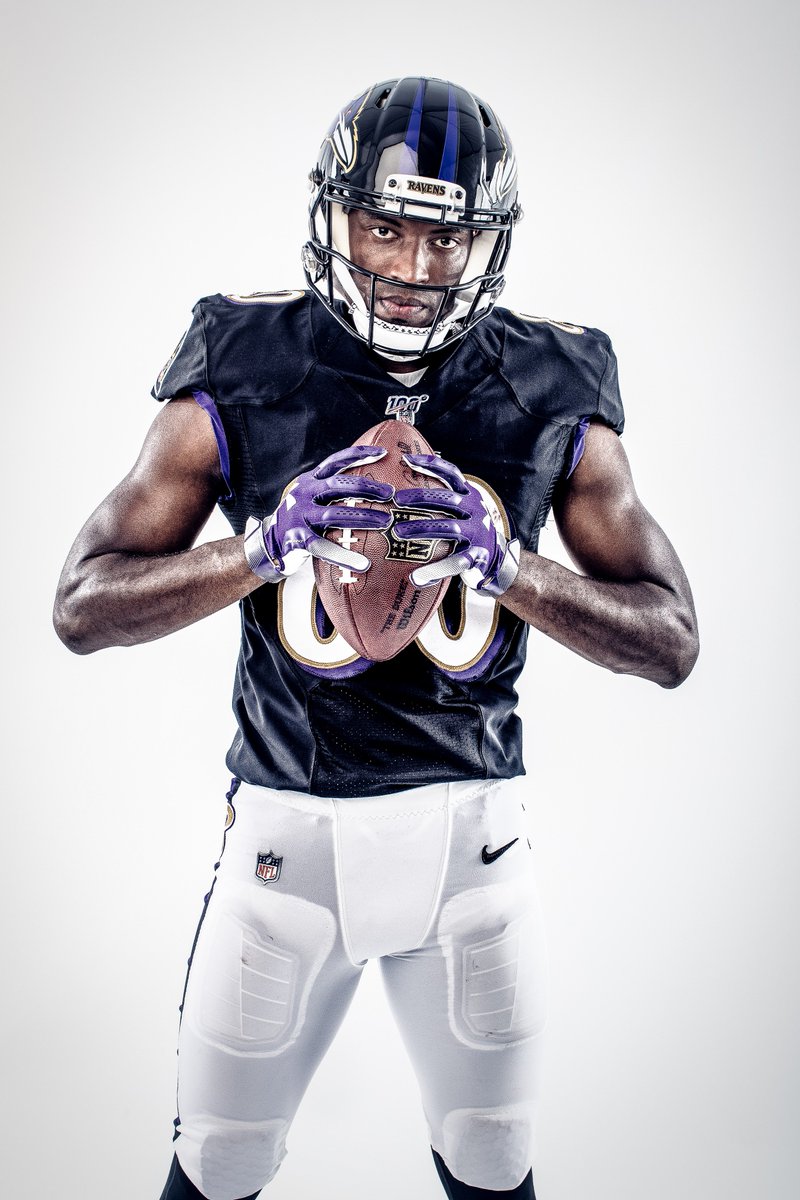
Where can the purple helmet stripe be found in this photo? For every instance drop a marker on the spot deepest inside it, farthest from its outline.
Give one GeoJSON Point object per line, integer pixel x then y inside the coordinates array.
{"type": "Point", "coordinates": [450, 153]}
{"type": "Point", "coordinates": [206, 402]}
{"type": "Point", "coordinates": [415, 120]}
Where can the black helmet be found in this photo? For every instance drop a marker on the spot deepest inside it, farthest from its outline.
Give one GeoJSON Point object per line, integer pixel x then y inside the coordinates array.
{"type": "Point", "coordinates": [424, 150]}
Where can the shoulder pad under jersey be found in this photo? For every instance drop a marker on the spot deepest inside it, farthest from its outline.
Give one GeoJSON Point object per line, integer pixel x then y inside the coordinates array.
{"type": "Point", "coordinates": [559, 371]}
{"type": "Point", "coordinates": [241, 348]}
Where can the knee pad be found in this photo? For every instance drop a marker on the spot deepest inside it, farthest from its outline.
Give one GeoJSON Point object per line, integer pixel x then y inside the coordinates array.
{"type": "Point", "coordinates": [253, 969]}
{"type": "Point", "coordinates": [226, 1160]}
{"type": "Point", "coordinates": [488, 1148]}
{"type": "Point", "coordinates": [180, 1187]}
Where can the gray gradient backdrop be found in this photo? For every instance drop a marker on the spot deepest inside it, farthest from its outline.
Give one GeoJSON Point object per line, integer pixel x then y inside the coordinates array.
{"type": "Point", "coordinates": [153, 153]}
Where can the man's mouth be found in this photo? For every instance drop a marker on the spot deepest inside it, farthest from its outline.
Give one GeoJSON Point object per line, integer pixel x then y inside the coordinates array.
{"type": "Point", "coordinates": [403, 309]}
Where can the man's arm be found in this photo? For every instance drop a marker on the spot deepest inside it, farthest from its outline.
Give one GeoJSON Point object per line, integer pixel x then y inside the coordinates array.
{"type": "Point", "coordinates": [132, 575]}
{"type": "Point", "coordinates": [632, 610]}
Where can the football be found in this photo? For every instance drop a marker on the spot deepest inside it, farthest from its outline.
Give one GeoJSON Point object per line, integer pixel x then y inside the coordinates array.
{"type": "Point", "coordinates": [380, 611]}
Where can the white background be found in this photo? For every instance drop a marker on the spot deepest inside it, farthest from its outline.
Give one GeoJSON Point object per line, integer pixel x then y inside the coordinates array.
{"type": "Point", "coordinates": [153, 153]}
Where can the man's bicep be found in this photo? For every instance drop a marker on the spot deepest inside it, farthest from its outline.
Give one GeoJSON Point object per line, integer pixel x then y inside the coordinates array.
{"type": "Point", "coordinates": [165, 500]}
{"type": "Point", "coordinates": [607, 531]}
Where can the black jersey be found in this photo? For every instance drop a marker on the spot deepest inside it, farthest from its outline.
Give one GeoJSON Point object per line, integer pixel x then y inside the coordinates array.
{"type": "Point", "coordinates": [286, 386]}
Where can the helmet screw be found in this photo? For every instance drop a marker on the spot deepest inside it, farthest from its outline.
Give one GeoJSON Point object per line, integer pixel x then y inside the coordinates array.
{"type": "Point", "coordinates": [392, 183]}
{"type": "Point", "coordinates": [459, 194]}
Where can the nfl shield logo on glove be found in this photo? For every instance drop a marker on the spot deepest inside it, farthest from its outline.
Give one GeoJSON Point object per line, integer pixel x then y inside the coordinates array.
{"type": "Point", "coordinates": [268, 868]}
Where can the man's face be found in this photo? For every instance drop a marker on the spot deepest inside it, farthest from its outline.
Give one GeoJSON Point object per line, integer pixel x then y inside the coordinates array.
{"type": "Point", "coordinates": [411, 252]}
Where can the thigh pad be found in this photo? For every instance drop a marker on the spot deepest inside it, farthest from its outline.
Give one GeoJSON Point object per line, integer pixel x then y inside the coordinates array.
{"type": "Point", "coordinates": [256, 960]}
{"type": "Point", "coordinates": [493, 942]}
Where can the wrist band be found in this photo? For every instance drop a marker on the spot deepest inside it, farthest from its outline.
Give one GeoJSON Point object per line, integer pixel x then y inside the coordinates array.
{"type": "Point", "coordinates": [255, 551]}
{"type": "Point", "coordinates": [509, 569]}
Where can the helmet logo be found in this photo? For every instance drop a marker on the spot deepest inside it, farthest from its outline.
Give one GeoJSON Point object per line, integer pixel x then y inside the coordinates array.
{"type": "Point", "coordinates": [504, 178]}
{"type": "Point", "coordinates": [343, 137]}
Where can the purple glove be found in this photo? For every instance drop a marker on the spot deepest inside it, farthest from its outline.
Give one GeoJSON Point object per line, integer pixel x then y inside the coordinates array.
{"type": "Point", "coordinates": [277, 546]}
{"type": "Point", "coordinates": [484, 558]}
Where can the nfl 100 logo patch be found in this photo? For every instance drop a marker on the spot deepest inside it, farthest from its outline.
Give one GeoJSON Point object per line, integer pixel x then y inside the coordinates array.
{"type": "Point", "coordinates": [268, 867]}
{"type": "Point", "coordinates": [405, 408]}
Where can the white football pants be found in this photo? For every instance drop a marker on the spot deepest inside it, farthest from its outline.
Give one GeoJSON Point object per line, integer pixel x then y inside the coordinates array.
{"type": "Point", "coordinates": [308, 889]}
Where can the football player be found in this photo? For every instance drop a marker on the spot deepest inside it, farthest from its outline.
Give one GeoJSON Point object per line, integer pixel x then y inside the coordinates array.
{"type": "Point", "coordinates": [405, 843]}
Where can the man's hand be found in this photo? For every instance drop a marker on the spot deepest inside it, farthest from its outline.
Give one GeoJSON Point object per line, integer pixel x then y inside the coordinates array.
{"type": "Point", "coordinates": [278, 546]}
{"type": "Point", "coordinates": [484, 558]}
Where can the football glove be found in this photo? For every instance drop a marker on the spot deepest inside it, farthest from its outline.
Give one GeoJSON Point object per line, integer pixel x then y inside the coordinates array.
{"type": "Point", "coordinates": [278, 546]}
{"type": "Point", "coordinates": [484, 558]}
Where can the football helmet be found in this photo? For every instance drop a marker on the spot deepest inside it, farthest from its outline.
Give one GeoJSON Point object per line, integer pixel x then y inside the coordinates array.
{"type": "Point", "coordinates": [423, 150]}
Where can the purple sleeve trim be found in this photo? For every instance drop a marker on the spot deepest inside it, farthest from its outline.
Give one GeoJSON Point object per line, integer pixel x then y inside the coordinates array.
{"type": "Point", "coordinates": [578, 443]}
{"type": "Point", "coordinates": [206, 402]}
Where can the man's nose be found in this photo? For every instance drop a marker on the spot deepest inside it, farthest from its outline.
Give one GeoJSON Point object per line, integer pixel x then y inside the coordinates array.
{"type": "Point", "coordinates": [411, 263]}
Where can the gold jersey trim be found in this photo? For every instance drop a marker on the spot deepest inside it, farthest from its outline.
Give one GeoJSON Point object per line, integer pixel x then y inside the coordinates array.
{"type": "Point", "coordinates": [284, 297]}
{"type": "Point", "coordinates": [565, 325]}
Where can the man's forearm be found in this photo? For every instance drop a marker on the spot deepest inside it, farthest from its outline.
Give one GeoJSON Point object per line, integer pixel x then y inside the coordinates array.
{"type": "Point", "coordinates": [123, 599]}
{"type": "Point", "coordinates": [638, 628]}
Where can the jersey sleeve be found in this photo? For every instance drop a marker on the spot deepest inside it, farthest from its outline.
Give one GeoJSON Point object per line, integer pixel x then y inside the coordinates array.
{"type": "Point", "coordinates": [609, 402]}
{"type": "Point", "coordinates": [609, 407]}
{"type": "Point", "coordinates": [186, 368]}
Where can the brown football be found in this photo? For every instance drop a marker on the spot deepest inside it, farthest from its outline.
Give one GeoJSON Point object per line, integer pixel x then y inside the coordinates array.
{"type": "Point", "coordinates": [380, 612]}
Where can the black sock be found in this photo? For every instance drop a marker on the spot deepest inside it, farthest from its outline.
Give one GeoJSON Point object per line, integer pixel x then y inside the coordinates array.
{"type": "Point", "coordinates": [180, 1187]}
{"type": "Point", "coordinates": [463, 1191]}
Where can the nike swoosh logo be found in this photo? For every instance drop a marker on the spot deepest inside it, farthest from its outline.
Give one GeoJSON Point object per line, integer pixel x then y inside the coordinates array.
{"type": "Point", "coordinates": [488, 856]}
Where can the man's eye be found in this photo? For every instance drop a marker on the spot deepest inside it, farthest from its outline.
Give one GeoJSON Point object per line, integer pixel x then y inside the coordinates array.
{"type": "Point", "coordinates": [445, 242]}
{"type": "Point", "coordinates": [383, 232]}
